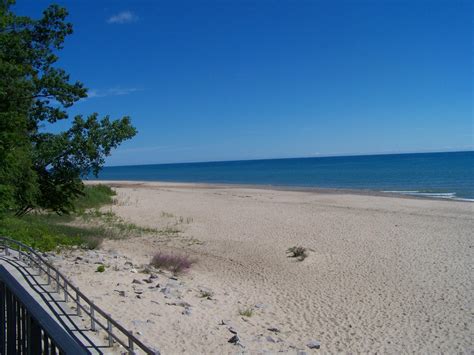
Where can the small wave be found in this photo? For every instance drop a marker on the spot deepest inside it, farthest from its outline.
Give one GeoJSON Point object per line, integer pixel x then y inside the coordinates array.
{"type": "Point", "coordinates": [445, 195]}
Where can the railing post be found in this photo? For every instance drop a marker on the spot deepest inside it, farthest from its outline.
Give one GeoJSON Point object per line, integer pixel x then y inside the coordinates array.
{"type": "Point", "coordinates": [92, 319]}
{"type": "Point", "coordinates": [109, 332]}
{"type": "Point", "coordinates": [130, 345]}
{"type": "Point", "coordinates": [78, 303]}
{"type": "Point", "coordinates": [34, 339]}
{"type": "Point", "coordinates": [38, 264]}
{"type": "Point", "coordinates": [66, 298]}
{"type": "Point", "coordinates": [49, 275]}
{"type": "Point", "coordinates": [57, 282]}
{"type": "Point", "coordinates": [11, 323]}
{"type": "Point", "coordinates": [2, 318]}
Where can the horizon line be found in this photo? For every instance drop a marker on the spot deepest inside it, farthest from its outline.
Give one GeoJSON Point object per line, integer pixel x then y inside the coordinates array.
{"type": "Point", "coordinates": [342, 155]}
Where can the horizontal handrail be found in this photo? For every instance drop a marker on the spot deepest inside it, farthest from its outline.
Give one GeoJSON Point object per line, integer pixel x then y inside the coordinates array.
{"type": "Point", "coordinates": [33, 256]}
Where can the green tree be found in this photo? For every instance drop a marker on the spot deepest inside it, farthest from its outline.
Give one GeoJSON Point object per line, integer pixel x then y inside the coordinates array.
{"type": "Point", "coordinates": [37, 168]}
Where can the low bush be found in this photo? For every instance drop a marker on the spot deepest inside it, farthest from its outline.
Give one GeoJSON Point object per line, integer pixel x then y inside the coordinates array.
{"type": "Point", "coordinates": [171, 262]}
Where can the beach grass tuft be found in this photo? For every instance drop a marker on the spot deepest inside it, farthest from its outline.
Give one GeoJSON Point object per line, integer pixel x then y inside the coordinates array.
{"type": "Point", "coordinates": [172, 262]}
{"type": "Point", "coordinates": [298, 252]}
{"type": "Point", "coordinates": [92, 243]}
{"type": "Point", "coordinates": [246, 312]}
{"type": "Point", "coordinates": [206, 294]}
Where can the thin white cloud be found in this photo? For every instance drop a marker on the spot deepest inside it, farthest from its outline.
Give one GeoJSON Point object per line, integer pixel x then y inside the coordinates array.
{"type": "Point", "coordinates": [122, 18]}
{"type": "Point", "coordinates": [115, 91]}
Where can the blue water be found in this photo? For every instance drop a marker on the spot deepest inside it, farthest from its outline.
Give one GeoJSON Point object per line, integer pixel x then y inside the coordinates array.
{"type": "Point", "coordinates": [442, 175]}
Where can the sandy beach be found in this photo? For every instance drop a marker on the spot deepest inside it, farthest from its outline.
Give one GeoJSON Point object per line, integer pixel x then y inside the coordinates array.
{"type": "Point", "coordinates": [383, 274]}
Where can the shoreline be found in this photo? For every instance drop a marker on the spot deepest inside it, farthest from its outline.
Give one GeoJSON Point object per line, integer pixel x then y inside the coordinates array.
{"type": "Point", "coordinates": [304, 189]}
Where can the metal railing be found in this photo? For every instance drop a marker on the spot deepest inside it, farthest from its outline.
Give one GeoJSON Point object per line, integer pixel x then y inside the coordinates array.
{"type": "Point", "coordinates": [98, 318]}
{"type": "Point", "coordinates": [25, 327]}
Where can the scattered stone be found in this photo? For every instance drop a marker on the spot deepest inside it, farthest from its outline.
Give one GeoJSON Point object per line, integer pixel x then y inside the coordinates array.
{"type": "Point", "coordinates": [134, 271]}
{"type": "Point", "coordinates": [148, 281]}
{"type": "Point", "coordinates": [314, 344]}
{"type": "Point", "coordinates": [232, 330]}
{"type": "Point", "coordinates": [170, 292]}
{"type": "Point", "coordinates": [173, 283]}
{"type": "Point", "coordinates": [234, 340]}
{"type": "Point", "coordinates": [224, 322]}
{"type": "Point", "coordinates": [274, 330]}
{"type": "Point", "coordinates": [153, 276]}
{"type": "Point", "coordinates": [271, 339]}
{"type": "Point", "coordinates": [173, 278]}
{"type": "Point", "coordinates": [120, 293]}
{"type": "Point", "coordinates": [301, 352]}
{"type": "Point", "coordinates": [138, 282]}
{"type": "Point", "coordinates": [113, 253]}
{"type": "Point", "coordinates": [260, 306]}
{"type": "Point", "coordinates": [204, 289]}
{"type": "Point", "coordinates": [138, 323]}
{"type": "Point", "coordinates": [187, 311]}
{"type": "Point", "coordinates": [179, 304]}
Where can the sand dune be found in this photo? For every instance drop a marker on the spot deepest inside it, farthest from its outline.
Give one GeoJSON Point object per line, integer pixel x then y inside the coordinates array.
{"type": "Point", "coordinates": [383, 274]}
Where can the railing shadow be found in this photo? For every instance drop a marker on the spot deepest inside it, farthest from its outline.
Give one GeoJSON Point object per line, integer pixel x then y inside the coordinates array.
{"type": "Point", "coordinates": [99, 319]}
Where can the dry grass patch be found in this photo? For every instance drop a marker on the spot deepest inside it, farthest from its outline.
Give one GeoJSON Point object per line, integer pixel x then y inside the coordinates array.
{"type": "Point", "coordinates": [172, 262]}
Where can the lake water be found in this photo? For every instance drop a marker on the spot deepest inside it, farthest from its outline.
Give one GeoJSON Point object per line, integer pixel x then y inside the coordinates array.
{"type": "Point", "coordinates": [441, 175]}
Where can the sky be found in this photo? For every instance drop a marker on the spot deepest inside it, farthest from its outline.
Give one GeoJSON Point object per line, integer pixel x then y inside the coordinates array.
{"type": "Point", "coordinates": [237, 79]}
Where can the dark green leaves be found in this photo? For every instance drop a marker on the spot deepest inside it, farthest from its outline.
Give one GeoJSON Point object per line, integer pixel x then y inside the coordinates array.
{"type": "Point", "coordinates": [39, 169]}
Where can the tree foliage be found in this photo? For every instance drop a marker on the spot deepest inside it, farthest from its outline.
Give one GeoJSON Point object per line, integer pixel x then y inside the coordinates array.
{"type": "Point", "coordinates": [39, 169]}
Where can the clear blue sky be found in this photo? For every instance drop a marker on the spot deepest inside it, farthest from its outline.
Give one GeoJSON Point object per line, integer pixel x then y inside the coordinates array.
{"type": "Point", "coordinates": [235, 79]}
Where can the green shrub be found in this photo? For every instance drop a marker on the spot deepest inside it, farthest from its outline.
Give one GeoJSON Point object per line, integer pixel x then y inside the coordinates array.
{"type": "Point", "coordinates": [94, 196]}
{"type": "Point", "coordinates": [100, 268]}
{"type": "Point", "coordinates": [45, 232]}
